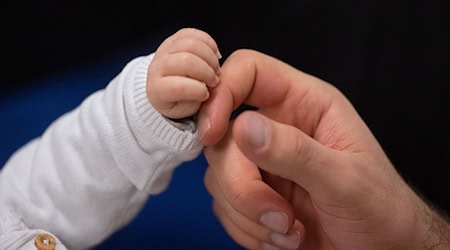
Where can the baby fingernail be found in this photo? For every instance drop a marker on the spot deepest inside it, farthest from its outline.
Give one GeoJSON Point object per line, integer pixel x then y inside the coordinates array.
{"type": "Point", "coordinates": [218, 71]}
{"type": "Point", "coordinates": [206, 96]}
{"type": "Point", "coordinates": [215, 81]}
{"type": "Point", "coordinates": [219, 55]}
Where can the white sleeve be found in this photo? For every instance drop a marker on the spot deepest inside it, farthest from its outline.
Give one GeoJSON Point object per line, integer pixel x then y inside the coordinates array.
{"type": "Point", "coordinates": [93, 169]}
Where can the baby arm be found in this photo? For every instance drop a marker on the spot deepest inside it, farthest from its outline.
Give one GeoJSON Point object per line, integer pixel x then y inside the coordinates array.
{"type": "Point", "coordinates": [92, 170]}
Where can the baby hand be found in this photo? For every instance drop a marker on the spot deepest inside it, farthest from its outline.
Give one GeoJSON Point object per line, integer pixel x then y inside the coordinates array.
{"type": "Point", "coordinates": [183, 67]}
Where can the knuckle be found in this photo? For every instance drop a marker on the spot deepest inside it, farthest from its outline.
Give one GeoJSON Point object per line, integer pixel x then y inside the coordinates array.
{"type": "Point", "coordinates": [300, 150]}
{"type": "Point", "coordinates": [188, 30]}
{"type": "Point", "coordinates": [237, 198]}
{"type": "Point", "coordinates": [238, 195]}
{"type": "Point", "coordinates": [192, 44]}
{"type": "Point", "coordinates": [183, 60]}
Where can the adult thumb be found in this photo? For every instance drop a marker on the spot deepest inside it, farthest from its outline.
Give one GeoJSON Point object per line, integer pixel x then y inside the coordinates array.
{"type": "Point", "coordinates": [286, 151]}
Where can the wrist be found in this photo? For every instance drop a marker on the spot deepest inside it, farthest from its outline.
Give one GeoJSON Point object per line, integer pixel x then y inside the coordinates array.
{"type": "Point", "coordinates": [433, 227]}
{"type": "Point", "coordinates": [184, 124]}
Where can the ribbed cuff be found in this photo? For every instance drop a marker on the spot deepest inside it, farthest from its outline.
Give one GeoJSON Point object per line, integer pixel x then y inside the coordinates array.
{"type": "Point", "coordinates": [181, 136]}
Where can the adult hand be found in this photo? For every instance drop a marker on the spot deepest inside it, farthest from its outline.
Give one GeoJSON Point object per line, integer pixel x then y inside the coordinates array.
{"type": "Point", "coordinates": [303, 170]}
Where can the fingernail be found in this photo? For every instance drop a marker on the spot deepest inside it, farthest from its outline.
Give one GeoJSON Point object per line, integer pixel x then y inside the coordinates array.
{"type": "Point", "coordinates": [218, 71]}
{"type": "Point", "coordinates": [291, 240]}
{"type": "Point", "coordinates": [206, 95]}
{"type": "Point", "coordinates": [219, 55]}
{"type": "Point", "coordinates": [216, 81]}
{"type": "Point", "coordinates": [275, 221]}
{"type": "Point", "coordinates": [204, 124]}
{"type": "Point", "coordinates": [257, 131]}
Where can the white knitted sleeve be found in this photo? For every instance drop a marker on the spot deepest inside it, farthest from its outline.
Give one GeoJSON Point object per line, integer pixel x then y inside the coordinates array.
{"type": "Point", "coordinates": [92, 170]}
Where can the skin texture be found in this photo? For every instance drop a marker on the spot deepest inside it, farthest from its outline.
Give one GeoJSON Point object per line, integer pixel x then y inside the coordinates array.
{"type": "Point", "coordinates": [184, 66]}
{"type": "Point", "coordinates": [304, 171]}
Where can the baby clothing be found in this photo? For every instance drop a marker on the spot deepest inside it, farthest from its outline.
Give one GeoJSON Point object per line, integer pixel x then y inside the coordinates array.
{"type": "Point", "coordinates": [93, 169]}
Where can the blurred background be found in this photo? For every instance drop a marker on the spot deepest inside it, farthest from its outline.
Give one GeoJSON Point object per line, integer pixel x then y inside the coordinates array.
{"type": "Point", "coordinates": [390, 58]}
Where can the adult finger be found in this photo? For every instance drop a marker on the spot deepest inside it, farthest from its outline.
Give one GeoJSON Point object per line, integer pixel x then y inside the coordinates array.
{"type": "Point", "coordinates": [235, 232]}
{"type": "Point", "coordinates": [286, 151]}
{"type": "Point", "coordinates": [245, 199]}
{"type": "Point", "coordinates": [227, 214]}
{"type": "Point", "coordinates": [275, 241]}
{"type": "Point", "coordinates": [258, 80]}
{"type": "Point", "coordinates": [241, 185]}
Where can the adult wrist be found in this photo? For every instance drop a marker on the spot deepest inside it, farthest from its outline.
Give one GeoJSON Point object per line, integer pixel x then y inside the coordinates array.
{"type": "Point", "coordinates": [433, 227]}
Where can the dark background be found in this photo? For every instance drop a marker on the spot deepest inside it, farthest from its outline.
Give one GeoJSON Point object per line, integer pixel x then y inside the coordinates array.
{"type": "Point", "coordinates": [390, 58]}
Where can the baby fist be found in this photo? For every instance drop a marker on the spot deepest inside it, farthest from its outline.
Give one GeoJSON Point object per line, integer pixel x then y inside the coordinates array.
{"type": "Point", "coordinates": [182, 69]}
